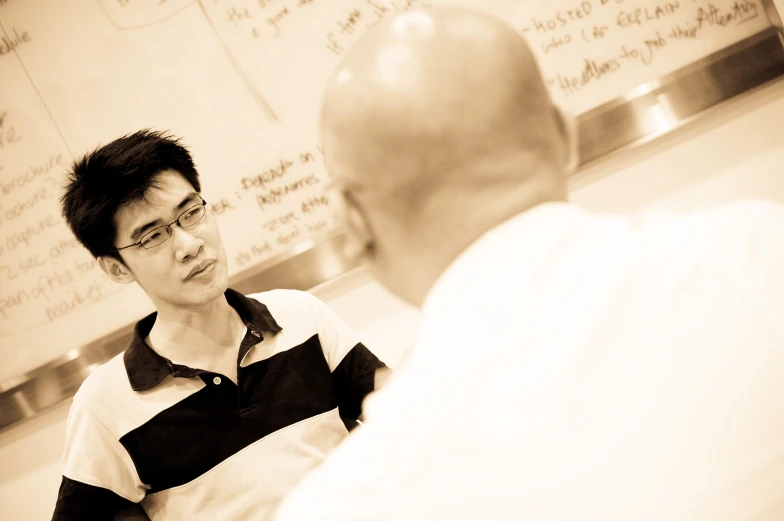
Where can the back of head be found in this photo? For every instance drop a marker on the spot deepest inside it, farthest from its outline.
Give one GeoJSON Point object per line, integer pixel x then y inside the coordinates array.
{"type": "Point", "coordinates": [115, 175]}
{"type": "Point", "coordinates": [438, 126]}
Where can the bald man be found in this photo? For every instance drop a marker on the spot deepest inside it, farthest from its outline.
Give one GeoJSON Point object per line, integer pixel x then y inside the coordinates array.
{"type": "Point", "coordinates": [570, 366]}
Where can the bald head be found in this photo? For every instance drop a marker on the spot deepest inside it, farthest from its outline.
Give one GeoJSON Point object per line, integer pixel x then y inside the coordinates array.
{"type": "Point", "coordinates": [436, 113]}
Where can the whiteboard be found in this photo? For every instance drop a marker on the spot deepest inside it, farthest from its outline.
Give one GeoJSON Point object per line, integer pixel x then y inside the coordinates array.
{"type": "Point", "coordinates": [590, 51]}
{"type": "Point", "coordinates": [241, 82]}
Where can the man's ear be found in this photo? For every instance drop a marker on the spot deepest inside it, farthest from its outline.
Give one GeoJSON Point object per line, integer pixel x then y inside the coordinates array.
{"type": "Point", "coordinates": [359, 241]}
{"type": "Point", "coordinates": [116, 270]}
{"type": "Point", "coordinates": [567, 127]}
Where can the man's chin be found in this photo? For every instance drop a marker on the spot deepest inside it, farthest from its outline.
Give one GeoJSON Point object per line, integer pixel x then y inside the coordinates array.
{"type": "Point", "coordinates": [195, 295]}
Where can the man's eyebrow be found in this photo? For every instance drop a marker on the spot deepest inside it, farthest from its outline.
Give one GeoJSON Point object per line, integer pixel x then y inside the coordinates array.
{"type": "Point", "coordinates": [190, 198]}
{"type": "Point", "coordinates": [140, 230]}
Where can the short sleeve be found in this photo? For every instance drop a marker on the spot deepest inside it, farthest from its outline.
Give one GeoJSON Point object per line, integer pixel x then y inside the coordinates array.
{"type": "Point", "coordinates": [94, 456]}
{"type": "Point", "coordinates": [353, 365]}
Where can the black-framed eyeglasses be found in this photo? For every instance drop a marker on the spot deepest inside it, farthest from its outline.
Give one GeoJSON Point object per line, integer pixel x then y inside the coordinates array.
{"type": "Point", "coordinates": [161, 234]}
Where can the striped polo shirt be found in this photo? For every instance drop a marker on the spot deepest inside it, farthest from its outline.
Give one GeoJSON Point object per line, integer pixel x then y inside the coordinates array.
{"type": "Point", "coordinates": [190, 444]}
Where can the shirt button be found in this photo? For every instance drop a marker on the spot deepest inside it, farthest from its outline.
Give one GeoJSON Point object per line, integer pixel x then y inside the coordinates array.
{"type": "Point", "coordinates": [216, 380]}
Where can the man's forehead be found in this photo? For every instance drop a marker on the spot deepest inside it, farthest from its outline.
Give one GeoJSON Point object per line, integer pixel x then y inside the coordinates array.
{"type": "Point", "coordinates": [161, 199]}
{"type": "Point", "coordinates": [167, 190]}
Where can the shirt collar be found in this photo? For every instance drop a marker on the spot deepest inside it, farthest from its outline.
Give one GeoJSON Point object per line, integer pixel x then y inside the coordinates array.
{"type": "Point", "coordinates": [146, 368]}
{"type": "Point", "coordinates": [529, 237]}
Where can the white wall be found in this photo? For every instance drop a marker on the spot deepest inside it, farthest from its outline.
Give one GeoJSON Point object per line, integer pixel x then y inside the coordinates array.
{"type": "Point", "coordinates": [30, 466]}
{"type": "Point", "coordinates": [734, 151]}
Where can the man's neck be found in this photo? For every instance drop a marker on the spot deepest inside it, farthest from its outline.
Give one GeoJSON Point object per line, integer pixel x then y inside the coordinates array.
{"type": "Point", "coordinates": [449, 242]}
{"type": "Point", "coordinates": [198, 337]}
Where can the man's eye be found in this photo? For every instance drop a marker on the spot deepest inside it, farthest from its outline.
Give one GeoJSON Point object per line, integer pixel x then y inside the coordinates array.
{"type": "Point", "coordinates": [154, 236]}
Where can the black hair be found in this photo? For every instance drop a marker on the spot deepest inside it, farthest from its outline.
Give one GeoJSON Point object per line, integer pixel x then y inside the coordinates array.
{"type": "Point", "coordinates": [115, 175]}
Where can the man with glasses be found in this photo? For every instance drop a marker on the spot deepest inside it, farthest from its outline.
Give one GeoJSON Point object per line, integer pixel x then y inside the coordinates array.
{"type": "Point", "coordinates": [222, 402]}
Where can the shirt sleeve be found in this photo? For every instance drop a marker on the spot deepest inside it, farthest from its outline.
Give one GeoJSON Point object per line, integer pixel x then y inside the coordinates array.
{"type": "Point", "coordinates": [352, 364]}
{"type": "Point", "coordinates": [80, 501]}
{"type": "Point", "coordinates": [99, 477]}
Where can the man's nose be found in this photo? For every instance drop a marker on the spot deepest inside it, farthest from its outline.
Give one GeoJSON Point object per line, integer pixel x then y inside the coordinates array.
{"type": "Point", "coordinates": [187, 245]}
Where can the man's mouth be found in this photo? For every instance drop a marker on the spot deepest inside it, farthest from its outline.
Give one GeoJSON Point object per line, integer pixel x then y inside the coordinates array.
{"type": "Point", "coordinates": [200, 269]}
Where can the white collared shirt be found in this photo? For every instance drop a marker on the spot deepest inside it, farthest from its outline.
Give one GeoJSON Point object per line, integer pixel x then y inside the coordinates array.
{"type": "Point", "coordinates": [581, 367]}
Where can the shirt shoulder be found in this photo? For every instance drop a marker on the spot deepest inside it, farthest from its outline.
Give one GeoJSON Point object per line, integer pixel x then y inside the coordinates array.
{"type": "Point", "coordinates": [288, 302]}
{"type": "Point", "coordinates": [302, 315]}
{"type": "Point", "coordinates": [106, 394]}
{"type": "Point", "coordinates": [739, 241]}
{"type": "Point", "coordinates": [105, 383]}
{"type": "Point", "coordinates": [295, 308]}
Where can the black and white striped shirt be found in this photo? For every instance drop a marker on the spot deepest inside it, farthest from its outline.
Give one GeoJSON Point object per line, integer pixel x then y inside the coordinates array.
{"type": "Point", "coordinates": [190, 444]}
